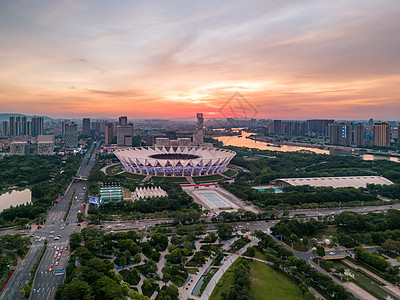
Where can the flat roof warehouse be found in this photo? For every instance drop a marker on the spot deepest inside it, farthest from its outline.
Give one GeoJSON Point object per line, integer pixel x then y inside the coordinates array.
{"type": "Point", "coordinates": [335, 182]}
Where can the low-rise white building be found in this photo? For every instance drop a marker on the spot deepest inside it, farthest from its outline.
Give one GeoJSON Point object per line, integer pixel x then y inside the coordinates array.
{"type": "Point", "coordinates": [148, 192]}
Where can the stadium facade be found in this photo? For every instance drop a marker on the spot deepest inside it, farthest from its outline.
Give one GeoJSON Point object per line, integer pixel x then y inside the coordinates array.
{"type": "Point", "coordinates": [175, 161]}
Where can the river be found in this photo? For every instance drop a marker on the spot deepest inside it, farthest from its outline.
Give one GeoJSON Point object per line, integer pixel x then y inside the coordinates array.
{"type": "Point", "coordinates": [242, 141]}
{"type": "Point", "coordinates": [14, 198]}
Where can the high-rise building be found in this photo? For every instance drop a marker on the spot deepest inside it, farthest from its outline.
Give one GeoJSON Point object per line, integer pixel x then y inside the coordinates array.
{"type": "Point", "coordinates": [319, 126]}
{"type": "Point", "coordinates": [340, 134]}
{"type": "Point", "coordinates": [123, 121]}
{"type": "Point", "coordinates": [198, 136]}
{"type": "Point", "coordinates": [358, 135]}
{"type": "Point", "coordinates": [124, 135]}
{"type": "Point", "coordinates": [150, 140]}
{"type": "Point", "coordinates": [23, 128]}
{"type": "Point", "coordinates": [382, 134]}
{"type": "Point", "coordinates": [12, 124]}
{"type": "Point", "coordinates": [371, 122]}
{"type": "Point", "coordinates": [18, 124]}
{"type": "Point", "coordinates": [71, 136]}
{"type": "Point", "coordinates": [37, 126]}
{"type": "Point", "coordinates": [86, 126]}
{"type": "Point", "coordinates": [109, 133]}
{"type": "Point", "coordinates": [277, 127]}
{"type": "Point", "coordinates": [4, 128]}
{"type": "Point", "coordinates": [29, 128]}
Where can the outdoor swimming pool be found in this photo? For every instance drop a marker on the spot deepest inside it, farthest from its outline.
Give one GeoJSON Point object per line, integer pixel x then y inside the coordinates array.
{"type": "Point", "coordinates": [214, 200]}
{"type": "Point", "coordinates": [263, 189]}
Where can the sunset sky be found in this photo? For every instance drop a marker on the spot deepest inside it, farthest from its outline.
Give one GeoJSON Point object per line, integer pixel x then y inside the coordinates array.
{"type": "Point", "coordinates": [160, 59]}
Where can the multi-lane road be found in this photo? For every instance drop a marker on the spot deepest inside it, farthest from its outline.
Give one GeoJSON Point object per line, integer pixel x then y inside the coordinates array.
{"type": "Point", "coordinates": [56, 232]}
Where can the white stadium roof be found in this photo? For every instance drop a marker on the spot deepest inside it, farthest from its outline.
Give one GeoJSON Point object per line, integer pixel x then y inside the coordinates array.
{"type": "Point", "coordinates": [336, 182]}
{"type": "Point", "coordinates": [175, 161]}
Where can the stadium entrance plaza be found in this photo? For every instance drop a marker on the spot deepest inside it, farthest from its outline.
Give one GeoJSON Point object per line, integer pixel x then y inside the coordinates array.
{"type": "Point", "coordinates": [216, 199]}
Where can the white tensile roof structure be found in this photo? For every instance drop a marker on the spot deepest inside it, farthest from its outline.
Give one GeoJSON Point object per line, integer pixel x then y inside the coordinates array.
{"type": "Point", "coordinates": [336, 182]}
{"type": "Point", "coordinates": [148, 192]}
{"type": "Point", "coordinates": [175, 161]}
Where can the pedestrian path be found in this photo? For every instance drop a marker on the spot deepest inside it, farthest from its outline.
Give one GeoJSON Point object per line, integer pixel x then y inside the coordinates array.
{"type": "Point", "coordinates": [213, 282]}
{"type": "Point", "coordinates": [389, 287]}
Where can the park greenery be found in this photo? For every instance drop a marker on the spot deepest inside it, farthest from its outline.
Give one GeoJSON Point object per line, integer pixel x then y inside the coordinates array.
{"type": "Point", "coordinates": [267, 165]}
{"type": "Point", "coordinates": [11, 247]}
{"type": "Point", "coordinates": [301, 272]}
{"type": "Point", "coordinates": [351, 230]}
{"type": "Point", "coordinates": [43, 194]}
{"type": "Point", "coordinates": [27, 170]}
{"type": "Point", "coordinates": [308, 197]}
{"type": "Point", "coordinates": [96, 255]}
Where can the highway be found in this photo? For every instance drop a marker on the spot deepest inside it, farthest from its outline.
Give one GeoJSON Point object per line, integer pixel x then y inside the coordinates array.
{"type": "Point", "coordinates": [46, 281]}
{"type": "Point", "coordinates": [55, 259]}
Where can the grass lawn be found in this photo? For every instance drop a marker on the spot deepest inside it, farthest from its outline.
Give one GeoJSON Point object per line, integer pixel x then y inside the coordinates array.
{"type": "Point", "coordinates": [192, 270]}
{"type": "Point", "coordinates": [268, 283]}
{"type": "Point", "coordinates": [230, 173]}
{"type": "Point", "coordinates": [114, 170]}
{"type": "Point", "coordinates": [260, 255]}
{"type": "Point", "coordinates": [225, 283]}
{"type": "Point", "coordinates": [168, 179]}
{"type": "Point", "coordinates": [210, 178]}
{"type": "Point", "coordinates": [133, 176]}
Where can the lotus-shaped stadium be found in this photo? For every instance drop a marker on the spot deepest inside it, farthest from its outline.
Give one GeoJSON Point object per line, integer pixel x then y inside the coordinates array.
{"type": "Point", "coordinates": [175, 161]}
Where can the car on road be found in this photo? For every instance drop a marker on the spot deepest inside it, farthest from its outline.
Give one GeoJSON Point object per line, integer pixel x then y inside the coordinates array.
{"type": "Point", "coordinates": [51, 236]}
{"type": "Point", "coordinates": [331, 253]}
{"type": "Point", "coordinates": [50, 269]}
{"type": "Point", "coordinates": [51, 232]}
{"type": "Point", "coordinates": [62, 228]}
{"type": "Point", "coordinates": [56, 238]}
{"type": "Point", "coordinates": [56, 263]}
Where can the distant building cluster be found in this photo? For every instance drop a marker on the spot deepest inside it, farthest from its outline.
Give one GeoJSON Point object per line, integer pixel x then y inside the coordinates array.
{"type": "Point", "coordinates": [21, 125]}
{"type": "Point", "coordinates": [44, 146]}
{"type": "Point", "coordinates": [148, 192]}
{"type": "Point", "coordinates": [343, 133]}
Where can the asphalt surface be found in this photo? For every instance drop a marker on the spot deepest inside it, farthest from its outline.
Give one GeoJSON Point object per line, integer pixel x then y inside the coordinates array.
{"type": "Point", "coordinates": [46, 281]}
{"type": "Point", "coordinates": [55, 259]}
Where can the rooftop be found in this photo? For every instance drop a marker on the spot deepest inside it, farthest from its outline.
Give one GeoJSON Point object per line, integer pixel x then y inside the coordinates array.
{"type": "Point", "coordinates": [336, 182]}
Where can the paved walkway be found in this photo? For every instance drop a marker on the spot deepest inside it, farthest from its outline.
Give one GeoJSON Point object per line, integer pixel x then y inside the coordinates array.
{"type": "Point", "coordinates": [389, 287]}
{"type": "Point", "coordinates": [190, 179]}
{"type": "Point", "coordinates": [104, 169]}
{"type": "Point", "coordinates": [146, 178]}
{"type": "Point", "coordinates": [356, 290]}
{"type": "Point", "coordinates": [213, 282]}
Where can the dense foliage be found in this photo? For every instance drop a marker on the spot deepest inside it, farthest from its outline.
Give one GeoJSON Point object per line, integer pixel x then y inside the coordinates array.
{"type": "Point", "coordinates": [295, 232]}
{"type": "Point", "coordinates": [11, 246]}
{"type": "Point", "coordinates": [27, 170]}
{"type": "Point", "coordinates": [268, 165]}
{"type": "Point", "coordinates": [301, 271]}
{"type": "Point", "coordinates": [374, 260]}
{"type": "Point", "coordinates": [240, 288]}
{"type": "Point", "coordinates": [43, 194]}
{"type": "Point", "coordinates": [305, 196]}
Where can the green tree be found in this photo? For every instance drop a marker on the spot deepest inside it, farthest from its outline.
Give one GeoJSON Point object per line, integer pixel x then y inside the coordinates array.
{"type": "Point", "coordinates": [137, 258]}
{"type": "Point", "coordinates": [251, 251]}
{"type": "Point", "coordinates": [320, 251]}
{"type": "Point", "coordinates": [75, 240]}
{"type": "Point", "coordinates": [77, 290]}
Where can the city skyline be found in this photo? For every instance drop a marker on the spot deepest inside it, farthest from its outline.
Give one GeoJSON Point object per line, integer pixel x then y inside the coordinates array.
{"type": "Point", "coordinates": [313, 59]}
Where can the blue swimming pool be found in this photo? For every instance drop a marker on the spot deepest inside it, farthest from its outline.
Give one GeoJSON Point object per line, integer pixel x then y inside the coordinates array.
{"type": "Point", "coordinates": [214, 200]}
{"type": "Point", "coordinates": [275, 190]}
